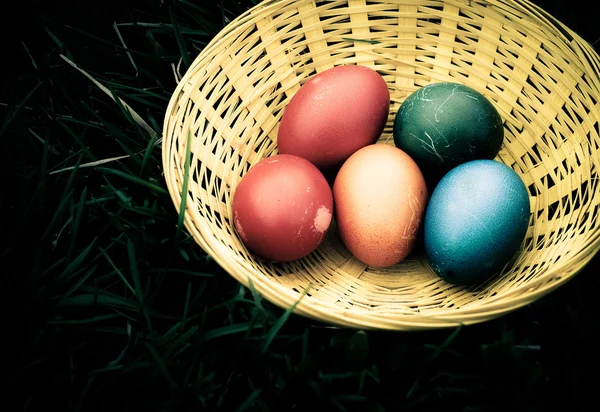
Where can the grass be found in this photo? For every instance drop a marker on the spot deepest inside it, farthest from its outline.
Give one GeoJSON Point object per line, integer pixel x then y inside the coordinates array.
{"type": "Point", "coordinates": [109, 304]}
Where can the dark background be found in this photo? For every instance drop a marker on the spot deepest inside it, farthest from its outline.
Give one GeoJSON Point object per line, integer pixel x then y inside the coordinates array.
{"type": "Point", "coordinates": [529, 360]}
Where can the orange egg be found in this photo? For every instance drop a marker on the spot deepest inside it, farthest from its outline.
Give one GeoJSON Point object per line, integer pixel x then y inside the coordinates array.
{"type": "Point", "coordinates": [380, 197]}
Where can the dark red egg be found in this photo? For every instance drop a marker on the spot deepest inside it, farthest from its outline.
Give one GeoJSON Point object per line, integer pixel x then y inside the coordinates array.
{"type": "Point", "coordinates": [335, 113]}
{"type": "Point", "coordinates": [282, 208]}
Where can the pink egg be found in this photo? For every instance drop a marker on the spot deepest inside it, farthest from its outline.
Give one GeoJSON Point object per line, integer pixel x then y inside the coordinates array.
{"type": "Point", "coordinates": [282, 208]}
{"type": "Point", "coordinates": [334, 114]}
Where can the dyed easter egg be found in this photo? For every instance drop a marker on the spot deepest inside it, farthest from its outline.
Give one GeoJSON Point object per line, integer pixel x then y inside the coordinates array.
{"type": "Point", "coordinates": [442, 125]}
{"type": "Point", "coordinates": [333, 114]}
{"type": "Point", "coordinates": [282, 208]}
{"type": "Point", "coordinates": [380, 197]}
{"type": "Point", "coordinates": [475, 221]}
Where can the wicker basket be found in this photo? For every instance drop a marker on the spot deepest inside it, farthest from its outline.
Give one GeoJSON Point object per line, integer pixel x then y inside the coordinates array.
{"type": "Point", "coordinates": [541, 76]}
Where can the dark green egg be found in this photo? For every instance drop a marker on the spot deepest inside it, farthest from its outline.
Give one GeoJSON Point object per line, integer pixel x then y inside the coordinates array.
{"type": "Point", "coordinates": [442, 125]}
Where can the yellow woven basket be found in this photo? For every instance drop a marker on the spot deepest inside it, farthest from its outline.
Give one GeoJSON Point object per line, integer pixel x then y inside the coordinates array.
{"type": "Point", "coordinates": [542, 77]}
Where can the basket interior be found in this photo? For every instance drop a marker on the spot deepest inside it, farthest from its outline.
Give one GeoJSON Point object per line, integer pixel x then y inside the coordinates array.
{"type": "Point", "coordinates": [542, 79]}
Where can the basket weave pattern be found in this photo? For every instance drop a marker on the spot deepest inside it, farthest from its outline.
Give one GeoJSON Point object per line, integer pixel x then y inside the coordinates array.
{"type": "Point", "coordinates": [541, 76]}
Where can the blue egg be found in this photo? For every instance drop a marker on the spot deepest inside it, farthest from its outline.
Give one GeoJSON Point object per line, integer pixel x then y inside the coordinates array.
{"type": "Point", "coordinates": [475, 221]}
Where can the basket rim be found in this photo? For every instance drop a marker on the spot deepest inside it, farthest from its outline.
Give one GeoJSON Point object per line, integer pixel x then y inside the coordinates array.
{"type": "Point", "coordinates": [500, 306]}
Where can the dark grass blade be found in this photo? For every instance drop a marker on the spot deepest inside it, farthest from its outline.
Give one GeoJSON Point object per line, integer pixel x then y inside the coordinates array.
{"type": "Point", "coordinates": [83, 279]}
{"type": "Point", "coordinates": [280, 322]}
{"type": "Point", "coordinates": [86, 321]}
{"type": "Point", "coordinates": [79, 140]}
{"type": "Point", "coordinates": [133, 179]}
{"type": "Point", "coordinates": [135, 272]}
{"type": "Point", "coordinates": [77, 215]}
{"type": "Point", "coordinates": [147, 153]}
{"type": "Point", "coordinates": [194, 273]}
{"type": "Point", "coordinates": [248, 403]}
{"type": "Point", "coordinates": [438, 350]}
{"type": "Point", "coordinates": [184, 190]}
{"type": "Point", "coordinates": [17, 110]}
{"type": "Point", "coordinates": [33, 62]}
{"type": "Point", "coordinates": [161, 364]}
{"type": "Point", "coordinates": [228, 330]}
{"type": "Point", "coordinates": [198, 13]}
{"type": "Point", "coordinates": [90, 299]}
{"type": "Point", "coordinates": [223, 18]}
{"type": "Point", "coordinates": [73, 265]}
{"type": "Point", "coordinates": [58, 42]}
{"type": "Point", "coordinates": [180, 42]}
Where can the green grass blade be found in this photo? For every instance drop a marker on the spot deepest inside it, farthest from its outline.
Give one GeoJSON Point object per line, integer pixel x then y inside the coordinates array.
{"type": "Point", "coordinates": [160, 363]}
{"type": "Point", "coordinates": [156, 126]}
{"type": "Point", "coordinates": [351, 398]}
{"type": "Point", "coordinates": [305, 342]}
{"type": "Point", "coordinates": [134, 179]}
{"type": "Point", "coordinates": [439, 349]}
{"type": "Point", "coordinates": [111, 45]}
{"type": "Point", "coordinates": [56, 264]}
{"type": "Point", "coordinates": [147, 153]}
{"type": "Point", "coordinates": [90, 299]}
{"type": "Point", "coordinates": [33, 62]}
{"type": "Point", "coordinates": [85, 321]}
{"type": "Point", "coordinates": [125, 48]}
{"type": "Point", "coordinates": [182, 47]}
{"type": "Point", "coordinates": [197, 13]}
{"type": "Point", "coordinates": [136, 92]}
{"type": "Point", "coordinates": [135, 272]}
{"type": "Point", "coordinates": [83, 395]}
{"type": "Point", "coordinates": [11, 117]}
{"type": "Point", "coordinates": [136, 117]}
{"type": "Point", "coordinates": [338, 405]}
{"type": "Point", "coordinates": [223, 19]}
{"type": "Point", "coordinates": [280, 322]}
{"type": "Point", "coordinates": [44, 165]}
{"type": "Point", "coordinates": [57, 41]}
{"type": "Point", "coordinates": [228, 330]}
{"type": "Point", "coordinates": [125, 315]}
{"type": "Point", "coordinates": [80, 282]}
{"type": "Point", "coordinates": [77, 140]}
{"type": "Point", "coordinates": [87, 123]}
{"type": "Point", "coordinates": [102, 123]}
{"type": "Point", "coordinates": [184, 190]}
{"type": "Point", "coordinates": [171, 333]}
{"type": "Point", "coordinates": [156, 46]}
{"type": "Point", "coordinates": [76, 222]}
{"type": "Point", "coordinates": [250, 400]}
{"type": "Point", "coordinates": [71, 267]}
{"type": "Point", "coordinates": [131, 115]}
{"type": "Point", "coordinates": [132, 155]}
{"type": "Point", "coordinates": [92, 164]}
{"type": "Point", "coordinates": [183, 341]}
{"type": "Point", "coordinates": [186, 306]}
{"type": "Point", "coordinates": [132, 97]}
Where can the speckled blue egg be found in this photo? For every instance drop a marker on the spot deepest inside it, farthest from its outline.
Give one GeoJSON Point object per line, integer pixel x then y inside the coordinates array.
{"type": "Point", "coordinates": [475, 221]}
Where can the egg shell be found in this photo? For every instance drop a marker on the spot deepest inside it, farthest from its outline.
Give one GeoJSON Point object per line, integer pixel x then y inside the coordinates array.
{"type": "Point", "coordinates": [282, 208]}
{"type": "Point", "coordinates": [333, 114]}
{"type": "Point", "coordinates": [442, 125]}
{"type": "Point", "coordinates": [380, 197]}
{"type": "Point", "coordinates": [476, 220]}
